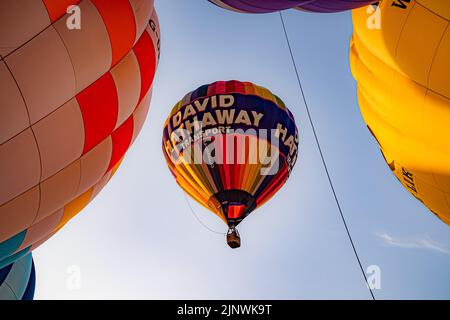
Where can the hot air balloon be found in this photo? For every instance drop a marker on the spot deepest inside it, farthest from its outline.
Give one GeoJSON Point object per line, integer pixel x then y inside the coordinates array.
{"type": "Point", "coordinates": [230, 146]}
{"type": "Point", "coordinates": [75, 88]}
{"type": "Point", "coordinates": [402, 66]}
{"type": "Point", "coordinates": [266, 6]}
{"type": "Point", "coordinates": [18, 280]}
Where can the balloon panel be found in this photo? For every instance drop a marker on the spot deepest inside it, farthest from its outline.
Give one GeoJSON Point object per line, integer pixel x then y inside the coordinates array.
{"type": "Point", "coordinates": [404, 94]}
{"type": "Point", "coordinates": [17, 280]}
{"type": "Point", "coordinates": [265, 6]}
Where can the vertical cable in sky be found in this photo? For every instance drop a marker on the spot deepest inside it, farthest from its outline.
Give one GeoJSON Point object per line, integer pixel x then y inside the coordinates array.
{"type": "Point", "coordinates": [321, 155]}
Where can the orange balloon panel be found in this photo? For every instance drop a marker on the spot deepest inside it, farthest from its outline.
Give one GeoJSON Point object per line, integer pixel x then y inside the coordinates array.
{"type": "Point", "coordinates": [73, 101]}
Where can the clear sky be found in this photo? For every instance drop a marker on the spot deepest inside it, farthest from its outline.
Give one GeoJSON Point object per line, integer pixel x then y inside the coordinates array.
{"type": "Point", "coordinates": [139, 240]}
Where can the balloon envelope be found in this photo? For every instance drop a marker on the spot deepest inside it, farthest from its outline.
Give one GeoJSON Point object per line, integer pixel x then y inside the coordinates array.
{"type": "Point", "coordinates": [18, 280]}
{"type": "Point", "coordinates": [402, 66]}
{"type": "Point", "coordinates": [73, 99]}
{"type": "Point", "coordinates": [231, 146]}
{"type": "Point", "coordinates": [266, 6]}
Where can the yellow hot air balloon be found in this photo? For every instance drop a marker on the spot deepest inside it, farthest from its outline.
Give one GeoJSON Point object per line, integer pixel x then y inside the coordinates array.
{"type": "Point", "coordinates": [400, 59]}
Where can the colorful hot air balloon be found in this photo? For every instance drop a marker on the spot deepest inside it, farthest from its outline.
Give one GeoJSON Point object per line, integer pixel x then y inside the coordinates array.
{"type": "Point", "coordinates": [18, 280]}
{"type": "Point", "coordinates": [266, 6]}
{"type": "Point", "coordinates": [402, 66]}
{"type": "Point", "coordinates": [75, 89]}
{"type": "Point", "coordinates": [231, 146]}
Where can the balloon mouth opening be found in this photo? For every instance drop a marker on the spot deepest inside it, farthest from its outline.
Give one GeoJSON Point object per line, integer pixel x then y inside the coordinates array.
{"type": "Point", "coordinates": [235, 205]}
{"type": "Point", "coordinates": [233, 238]}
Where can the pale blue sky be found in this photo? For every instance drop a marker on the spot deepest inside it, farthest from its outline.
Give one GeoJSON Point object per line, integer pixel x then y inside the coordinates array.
{"type": "Point", "coordinates": [139, 240]}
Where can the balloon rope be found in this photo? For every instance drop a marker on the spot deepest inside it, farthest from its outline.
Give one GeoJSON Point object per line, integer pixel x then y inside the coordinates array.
{"type": "Point", "coordinates": [322, 156]}
{"type": "Point", "coordinates": [198, 219]}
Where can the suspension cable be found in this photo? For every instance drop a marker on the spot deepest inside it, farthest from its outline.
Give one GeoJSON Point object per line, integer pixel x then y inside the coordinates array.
{"type": "Point", "coordinates": [198, 219]}
{"type": "Point", "coordinates": [322, 156]}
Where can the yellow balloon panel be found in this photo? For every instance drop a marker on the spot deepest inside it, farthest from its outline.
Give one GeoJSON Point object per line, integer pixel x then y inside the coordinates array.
{"type": "Point", "coordinates": [439, 7]}
{"type": "Point", "coordinates": [402, 70]}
